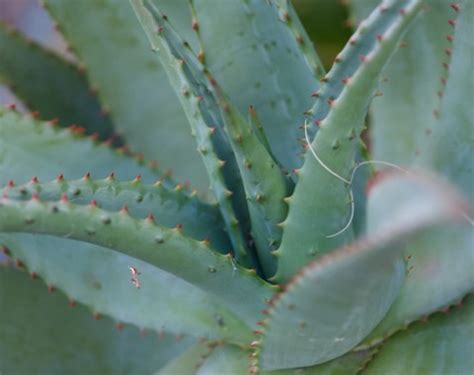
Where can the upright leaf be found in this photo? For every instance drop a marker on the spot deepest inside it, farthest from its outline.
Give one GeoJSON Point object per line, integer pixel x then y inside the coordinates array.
{"type": "Point", "coordinates": [263, 66]}
{"type": "Point", "coordinates": [320, 205]}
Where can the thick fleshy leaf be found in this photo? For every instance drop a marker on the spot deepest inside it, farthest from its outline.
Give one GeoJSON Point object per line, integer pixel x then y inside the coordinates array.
{"type": "Point", "coordinates": [442, 345]}
{"type": "Point", "coordinates": [403, 116]}
{"type": "Point", "coordinates": [350, 363]}
{"type": "Point", "coordinates": [290, 18]}
{"type": "Point", "coordinates": [168, 249]}
{"type": "Point", "coordinates": [338, 299]}
{"type": "Point", "coordinates": [130, 82]}
{"type": "Point", "coordinates": [101, 279]}
{"type": "Point", "coordinates": [263, 66]}
{"type": "Point", "coordinates": [450, 149]}
{"type": "Point", "coordinates": [42, 334]}
{"type": "Point", "coordinates": [189, 361]}
{"type": "Point", "coordinates": [225, 360]}
{"type": "Point", "coordinates": [187, 79]}
{"type": "Point", "coordinates": [321, 203]}
{"type": "Point", "coordinates": [31, 146]}
{"type": "Point", "coordinates": [439, 273]}
{"type": "Point", "coordinates": [49, 84]}
{"type": "Point", "coordinates": [170, 207]}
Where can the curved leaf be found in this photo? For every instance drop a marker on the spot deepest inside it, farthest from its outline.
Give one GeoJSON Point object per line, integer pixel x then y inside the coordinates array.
{"type": "Point", "coordinates": [442, 345]}
{"type": "Point", "coordinates": [130, 82]}
{"type": "Point", "coordinates": [168, 249]}
{"type": "Point", "coordinates": [338, 299]}
{"type": "Point", "coordinates": [50, 85]}
{"type": "Point", "coordinates": [41, 334]}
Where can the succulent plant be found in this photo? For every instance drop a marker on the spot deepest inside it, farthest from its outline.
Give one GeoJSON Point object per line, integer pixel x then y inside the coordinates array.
{"type": "Point", "coordinates": [305, 256]}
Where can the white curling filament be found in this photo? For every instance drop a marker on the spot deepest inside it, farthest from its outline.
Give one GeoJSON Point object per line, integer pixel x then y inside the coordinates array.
{"type": "Point", "coordinates": [349, 182]}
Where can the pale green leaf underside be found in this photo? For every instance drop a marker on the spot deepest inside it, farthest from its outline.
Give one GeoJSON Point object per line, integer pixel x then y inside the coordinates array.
{"type": "Point", "coordinates": [168, 249]}
{"type": "Point", "coordinates": [442, 345]}
{"type": "Point", "coordinates": [41, 334]}
{"type": "Point", "coordinates": [439, 272]}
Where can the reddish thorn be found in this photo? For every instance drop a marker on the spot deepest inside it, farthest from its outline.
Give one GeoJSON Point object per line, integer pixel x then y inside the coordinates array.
{"type": "Point", "coordinates": [261, 323]}
{"type": "Point", "coordinates": [159, 29]}
{"type": "Point", "coordinates": [258, 332]}
{"type": "Point", "coordinates": [452, 22]}
{"type": "Point", "coordinates": [10, 184]}
{"type": "Point", "coordinates": [19, 263]}
{"type": "Point", "coordinates": [346, 80]}
{"type": "Point", "coordinates": [51, 288]}
{"type": "Point", "coordinates": [87, 176]}
{"type": "Point", "coordinates": [137, 179]}
{"type": "Point", "coordinates": [12, 106]}
{"type": "Point", "coordinates": [60, 178]}
{"type": "Point", "coordinates": [53, 121]}
{"type": "Point", "coordinates": [195, 25]}
{"type": "Point", "coordinates": [337, 60]}
{"type": "Point", "coordinates": [35, 114]}
{"type": "Point", "coordinates": [64, 198]}
{"type": "Point", "coordinates": [352, 41]}
{"type": "Point", "coordinates": [93, 203]}
{"type": "Point", "coordinates": [456, 7]}
{"type": "Point", "coordinates": [34, 180]}
{"type": "Point", "coordinates": [445, 65]}
{"type": "Point", "coordinates": [362, 58]}
{"type": "Point", "coordinates": [379, 37]}
{"type": "Point", "coordinates": [448, 51]}
{"type": "Point", "coordinates": [450, 38]}
{"type": "Point", "coordinates": [94, 136]}
{"type": "Point", "coordinates": [6, 250]}
{"type": "Point", "coordinates": [124, 209]}
{"type": "Point", "coordinates": [443, 81]}
{"type": "Point", "coordinates": [109, 141]}
{"type": "Point", "coordinates": [330, 101]}
{"type": "Point", "coordinates": [111, 176]}
{"type": "Point", "coordinates": [317, 122]}
{"type": "Point", "coordinates": [265, 312]}
{"type": "Point", "coordinates": [151, 218]}
{"type": "Point", "coordinates": [72, 303]}
{"type": "Point", "coordinates": [315, 94]}
{"type": "Point", "coordinates": [97, 316]}
{"type": "Point", "coordinates": [179, 226]}
{"type": "Point", "coordinates": [403, 11]}
{"type": "Point", "coordinates": [119, 326]}
{"type": "Point", "coordinates": [33, 275]}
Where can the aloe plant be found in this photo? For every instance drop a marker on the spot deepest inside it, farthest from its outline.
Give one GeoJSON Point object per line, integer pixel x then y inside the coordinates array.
{"type": "Point", "coordinates": [310, 252]}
